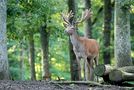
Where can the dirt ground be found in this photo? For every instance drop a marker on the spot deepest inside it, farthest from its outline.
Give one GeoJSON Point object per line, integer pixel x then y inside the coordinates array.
{"type": "Point", "coordinates": [50, 85]}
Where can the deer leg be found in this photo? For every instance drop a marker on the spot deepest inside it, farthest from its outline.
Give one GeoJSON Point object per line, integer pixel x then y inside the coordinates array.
{"type": "Point", "coordinates": [96, 60]}
{"type": "Point", "coordinates": [87, 71]}
{"type": "Point", "coordinates": [79, 67]}
{"type": "Point", "coordinates": [91, 70]}
{"type": "Point", "coordinates": [96, 63]}
{"type": "Point", "coordinates": [84, 70]}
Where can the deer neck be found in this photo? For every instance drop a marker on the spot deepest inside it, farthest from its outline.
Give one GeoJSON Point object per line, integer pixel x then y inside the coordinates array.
{"type": "Point", "coordinates": [75, 40]}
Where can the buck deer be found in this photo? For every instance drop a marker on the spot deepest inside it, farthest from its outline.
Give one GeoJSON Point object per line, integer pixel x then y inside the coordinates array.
{"type": "Point", "coordinates": [85, 48]}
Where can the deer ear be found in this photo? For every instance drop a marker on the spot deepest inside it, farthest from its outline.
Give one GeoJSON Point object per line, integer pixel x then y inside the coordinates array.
{"type": "Point", "coordinates": [65, 25]}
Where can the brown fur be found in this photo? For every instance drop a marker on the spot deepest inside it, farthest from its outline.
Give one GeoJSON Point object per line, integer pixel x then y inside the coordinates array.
{"type": "Point", "coordinates": [89, 51]}
{"type": "Point", "coordinates": [91, 46]}
{"type": "Point", "coordinates": [85, 48]}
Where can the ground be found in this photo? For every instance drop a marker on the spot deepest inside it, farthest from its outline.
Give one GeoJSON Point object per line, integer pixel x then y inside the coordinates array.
{"type": "Point", "coordinates": [52, 85]}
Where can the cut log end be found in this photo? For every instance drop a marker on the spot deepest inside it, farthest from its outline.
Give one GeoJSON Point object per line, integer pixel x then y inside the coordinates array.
{"type": "Point", "coordinates": [99, 70]}
{"type": "Point", "coordinates": [103, 70]}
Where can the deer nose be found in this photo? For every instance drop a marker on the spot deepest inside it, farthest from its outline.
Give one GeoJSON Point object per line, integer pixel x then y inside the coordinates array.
{"type": "Point", "coordinates": [66, 32]}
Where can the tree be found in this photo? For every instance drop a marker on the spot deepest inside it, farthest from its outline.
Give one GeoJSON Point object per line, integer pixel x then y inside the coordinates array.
{"type": "Point", "coordinates": [74, 68]}
{"type": "Point", "coordinates": [4, 71]}
{"type": "Point", "coordinates": [32, 56]}
{"type": "Point", "coordinates": [88, 24]}
{"type": "Point", "coordinates": [88, 34]}
{"type": "Point", "coordinates": [122, 34]}
{"type": "Point", "coordinates": [44, 36]}
{"type": "Point", "coordinates": [21, 57]}
{"type": "Point", "coordinates": [25, 17]}
{"type": "Point", "coordinates": [107, 31]}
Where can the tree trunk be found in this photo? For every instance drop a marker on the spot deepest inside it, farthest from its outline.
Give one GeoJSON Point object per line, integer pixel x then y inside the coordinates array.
{"type": "Point", "coordinates": [107, 31]}
{"type": "Point", "coordinates": [122, 35]}
{"type": "Point", "coordinates": [32, 56]}
{"type": "Point", "coordinates": [87, 34]}
{"type": "Point", "coordinates": [74, 67]}
{"type": "Point", "coordinates": [44, 36]}
{"type": "Point", "coordinates": [88, 24]}
{"type": "Point", "coordinates": [21, 61]}
{"type": "Point", "coordinates": [4, 67]}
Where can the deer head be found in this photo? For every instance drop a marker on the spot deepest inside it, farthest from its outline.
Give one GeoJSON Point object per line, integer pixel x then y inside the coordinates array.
{"type": "Point", "coordinates": [70, 27]}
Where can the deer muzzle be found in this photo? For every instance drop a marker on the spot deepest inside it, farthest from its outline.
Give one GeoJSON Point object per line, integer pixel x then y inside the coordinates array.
{"type": "Point", "coordinates": [68, 32]}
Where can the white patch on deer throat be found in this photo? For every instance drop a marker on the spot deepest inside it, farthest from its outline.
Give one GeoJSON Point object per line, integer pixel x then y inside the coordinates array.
{"type": "Point", "coordinates": [77, 46]}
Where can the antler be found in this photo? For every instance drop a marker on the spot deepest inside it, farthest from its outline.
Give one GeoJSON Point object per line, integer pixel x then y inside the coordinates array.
{"type": "Point", "coordinates": [86, 15]}
{"type": "Point", "coordinates": [66, 17]}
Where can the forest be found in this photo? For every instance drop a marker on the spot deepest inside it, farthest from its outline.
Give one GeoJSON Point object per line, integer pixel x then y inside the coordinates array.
{"type": "Point", "coordinates": [35, 46]}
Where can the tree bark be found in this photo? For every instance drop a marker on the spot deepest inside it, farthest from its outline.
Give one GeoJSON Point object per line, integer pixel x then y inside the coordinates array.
{"type": "Point", "coordinates": [105, 70]}
{"type": "Point", "coordinates": [107, 30]}
{"type": "Point", "coordinates": [74, 67]}
{"type": "Point", "coordinates": [88, 23]}
{"type": "Point", "coordinates": [102, 70]}
{"type": "Point", "coordinates": [88, 34]}
{"type": "Point", "coordinates": [21, 61]}
{"type": "Point", "coordinates": [122, 35]}
{"type": "Point", "coordinates": [44, 36]}
{"type": "Point", "coordinates": [120, 76]}
{"type": "Point", "coordinates": [4, 67]}
{"type": "Point", "coordinates": [129, 69]}
{"type": "Point", "coordinates": [32, 56]}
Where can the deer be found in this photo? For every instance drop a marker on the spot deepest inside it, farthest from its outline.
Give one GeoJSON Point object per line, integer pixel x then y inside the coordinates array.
{"type": "Point", "coordinates": [84, 48]}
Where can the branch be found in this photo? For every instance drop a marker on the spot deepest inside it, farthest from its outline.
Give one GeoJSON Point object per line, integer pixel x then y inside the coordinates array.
{"type": "Point", "coordinates": [99, 11]}
{"type": "Point", "coordinates": [76, 82]}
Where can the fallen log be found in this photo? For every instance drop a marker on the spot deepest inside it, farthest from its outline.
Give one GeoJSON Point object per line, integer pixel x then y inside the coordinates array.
{"type": "Point", "coordinates": [120, 76]}
{"type": "Point", "coordinates": [129, 69]}
{"type": "Point", "coordinates": [104, 70]}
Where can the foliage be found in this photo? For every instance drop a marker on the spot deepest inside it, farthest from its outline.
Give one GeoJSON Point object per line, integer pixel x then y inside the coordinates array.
{"type": "Point", "coordinates": [26, 16]}
{"type": "Point", "coordinates": [126, 2]}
